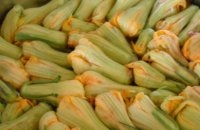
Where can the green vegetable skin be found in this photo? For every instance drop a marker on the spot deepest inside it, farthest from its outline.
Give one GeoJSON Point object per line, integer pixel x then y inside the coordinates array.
{"type": "Point", "coordinates": [6, 5]}
{"type": "Point", "coordinates": [99, 65]}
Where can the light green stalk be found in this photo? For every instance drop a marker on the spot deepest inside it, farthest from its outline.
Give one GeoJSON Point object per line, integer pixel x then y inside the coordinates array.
{"type": "Point", "coordinates": [52, 92]}
{"type": "Point", "coordinates": [37, 14]}
{"type": "Point", "coordinates": [49, 121]}
{"type": "Point", "coordinates": [168, 42]}
{"type": "Point", "coordinates": [163, 9]}
{"type": "Point", "coordinates": [44, 51]}
{"type": "Point", "coordinates": [15, 110]}
{"type": "Point", "coordinates": [42, 69]}
{"type": "Point", "coordinates": [12, 71]}
{"type": "Point", "coordinates": [140, 47]}
{"type": "Point", "coordinates": [163, 62]}
{"type": "Point", "coordinates": [77, 112]}
{"type": "Point", "coordinates": [87, 56]}
{"type": "Point", "coordinates": [9, 49]}
{"type": "Point", "coordinates": [85, 9]}
{"type": "Point", "coordinates": [177, 22]}
{"type": "Point", "coordinates": [111, 109]}
{"type": "Point", "coordinates": [193, 26]}
{"type": "Point", "coordinates": [74, 24]}
{"type": "Point", "coordinates": [146, 115]}
{"type": "Point", "coordinates": [56, 18]}
{"type": "Point", "coordinates": [29, 120]}
{"type": "Point", "coordinates": [95, 84]}
{"type": "Point", "coordinates": [10, 23]}
{"type": "Point", "coordinates": [55, 39]}
{"type": "Point", "coordinates": [132, 20]}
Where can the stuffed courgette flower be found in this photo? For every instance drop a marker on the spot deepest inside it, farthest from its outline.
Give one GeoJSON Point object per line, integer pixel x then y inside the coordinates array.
{"type": "Point", "coordinates": [49, 121]}
{"type": "Point", "coordinates": [163, 9]}
{"type": "Point", "coordinates": [163, 62]}
{"type": "Point", "coordinates": [177, 22]}
{"type": "Point", "coordinates": [191, 48]}
{"type": "Point", "coordinates": [16, 109]}
{"type": "Point", "coordinates": [41, 69]}
{"type": "Point", "coordinates": [77, 112]}
{"type": "Point", "coordinates": [169, 42]}
{"type": "Point", "coordinates": [101, 11]}
{"type": "Point", "coordinates": [147, 116]}
{"type": "Point", "coordinates": [36, 15]}
{"type": "Point", "coordinates": [13, 72]}
{"type": "Point", "coordinates": [10, 23]}
{"type": "Point", "coordinates": [87, 56]}
{"type": "Point", "coordinates": [8, 94]}
{"type": "Point", "coordinates": [74, 24]}
{"type": "Point", "coordinates": [43, 51]}
{"type": "Point", "coordinates": [132, 20]}
{"type": "Point", "coordinates": [195, 67]}
{"type": "Point", "coordinates": [9, 49]}
{"type": "Point", "coordinates": [192, 27]}
{"type": "Point", "coordinates": [111, 109]}
{"type": "Point", "coordinates": [147, 76]}
{"type": "Point", "coordinates": [140, 47]}
{"type": "Point", "coordinates": [95, 83]}
{"type": "Point", "coordinates": [55, 39]}
{"type": "Point", "coordinates": [115, 36]}
{"type": "Point", "coordinates": [121, 5]}
{"type": "Point", "coordinates": [56, 18]}
{"type": "Point", "coordinates": [52, 91]}
{"type": "Point", "coordinates": [29, 120]}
